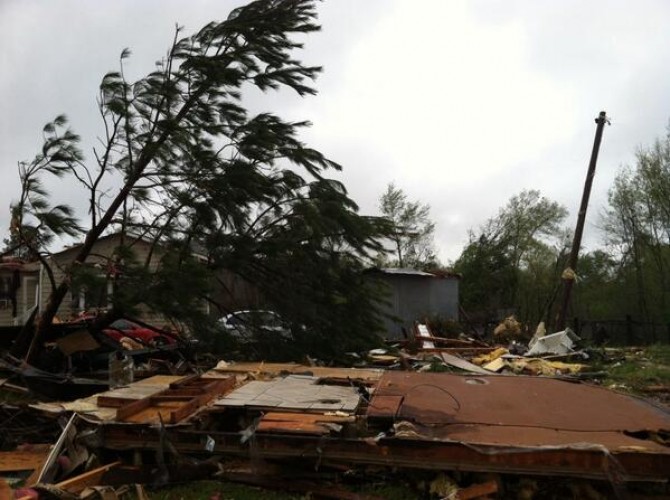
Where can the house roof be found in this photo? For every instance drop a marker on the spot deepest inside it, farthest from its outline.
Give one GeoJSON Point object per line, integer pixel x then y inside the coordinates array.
{"type": "Point", "coordinates": [197, 250]}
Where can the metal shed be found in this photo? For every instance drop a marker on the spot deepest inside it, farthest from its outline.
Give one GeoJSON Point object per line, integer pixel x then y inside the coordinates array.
{"type": "Point", "coordinates": [414, 295]}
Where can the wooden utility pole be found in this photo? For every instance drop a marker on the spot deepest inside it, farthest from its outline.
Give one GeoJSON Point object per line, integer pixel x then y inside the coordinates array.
{"type": "Point", "coordinates": [569, 273]}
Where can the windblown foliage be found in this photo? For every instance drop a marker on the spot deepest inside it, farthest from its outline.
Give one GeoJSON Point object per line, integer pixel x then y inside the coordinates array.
{"type": "Point", "coordinates": [196, 170]}
{"type": "Point", "coordinates": [513, 262]}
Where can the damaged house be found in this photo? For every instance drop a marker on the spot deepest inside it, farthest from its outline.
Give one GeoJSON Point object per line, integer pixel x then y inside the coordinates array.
{"type": "Point", "coordinates": [18, 290]}
{"type": "Point", "coordinates": [25, 287]}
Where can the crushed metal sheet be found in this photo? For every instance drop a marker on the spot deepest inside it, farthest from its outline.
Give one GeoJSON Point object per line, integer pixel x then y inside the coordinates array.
{"type": "Point", "coordinates": [295, 392]}
{"type": "Point", "coordinates": [520, 411]}
{"type": "Point", "coordinates": [461, 363]}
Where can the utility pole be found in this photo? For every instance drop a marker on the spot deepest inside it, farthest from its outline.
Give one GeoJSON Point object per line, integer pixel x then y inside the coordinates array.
{"type": "Point", "coordinates": [569, 275]}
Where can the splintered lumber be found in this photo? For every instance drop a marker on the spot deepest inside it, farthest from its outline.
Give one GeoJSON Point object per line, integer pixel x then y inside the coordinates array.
{"type": "Point", "coordinates": [77, 484]}
{"type": "Point", "coordinates": [178, 401]}
{"type": "Point", "coordinates": [12, 461]}
{"type": "Point", "coordinates": [92, 477]}
{"type": "Point", "coordinates": [481, 490]}
{"type": "Point", "coordinates": [304, 423]}
{"type": "Point", "coordinates": [30, 459]}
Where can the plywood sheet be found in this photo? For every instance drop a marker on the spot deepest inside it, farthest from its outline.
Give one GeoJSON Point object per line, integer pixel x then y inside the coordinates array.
{"type": "Point", "coordinates": [20, 460]}
{"type": "Point", "coordinates": [293, 392]}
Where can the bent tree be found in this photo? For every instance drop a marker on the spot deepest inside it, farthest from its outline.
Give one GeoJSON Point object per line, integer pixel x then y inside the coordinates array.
{"type": "Point", "coordinates": [192, 167]}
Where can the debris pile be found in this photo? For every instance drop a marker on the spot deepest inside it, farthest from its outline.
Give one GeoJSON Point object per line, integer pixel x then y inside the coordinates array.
{"type": "Point", "coordinates": [457, 418]}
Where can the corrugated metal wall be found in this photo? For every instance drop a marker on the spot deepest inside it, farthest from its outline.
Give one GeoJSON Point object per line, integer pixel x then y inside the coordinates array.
{"type": "Point", "coordinates": [414, 298]}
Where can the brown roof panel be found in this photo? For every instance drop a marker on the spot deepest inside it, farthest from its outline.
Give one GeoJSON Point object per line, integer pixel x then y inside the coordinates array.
{"type": "Point", "coordinates": [520, 411]}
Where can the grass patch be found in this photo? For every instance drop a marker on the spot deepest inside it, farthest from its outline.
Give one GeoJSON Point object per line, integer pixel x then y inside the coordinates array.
{"type": "Point", "coordinates": [659, 354]}
{"type": "Point", "coordinates": [641, 368]}
{"type": "Point", "coordinates": [199, 490]}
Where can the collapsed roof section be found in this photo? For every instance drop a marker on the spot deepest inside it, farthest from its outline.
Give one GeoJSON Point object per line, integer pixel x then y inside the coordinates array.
{"type": "Point", "coordinates": [438, 421]}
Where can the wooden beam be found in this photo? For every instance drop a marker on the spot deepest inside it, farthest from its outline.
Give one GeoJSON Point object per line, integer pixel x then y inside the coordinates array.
{"type": "Point", "coordinates": [93, 477]}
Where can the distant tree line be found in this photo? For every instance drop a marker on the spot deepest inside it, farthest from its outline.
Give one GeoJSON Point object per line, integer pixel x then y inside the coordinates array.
{"type": "Point", "coordinates": [514, 261]}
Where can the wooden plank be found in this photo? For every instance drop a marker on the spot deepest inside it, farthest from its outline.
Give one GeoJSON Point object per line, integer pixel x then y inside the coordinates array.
{"type": "Point", "coordinates": [154, 413]}
{"type": "Point", "coordinates": [307, 417]}
{"type": "Point", "coordinates": [274, 369]}
{"type": "Point", "coordinates": [180, 400]}
{"type": "Point", "coordinates": [477, 490]}
{"type": "Point", "coordinates": [11, 461]}
{"type": "Point", "coordinates": [123, 395]}
{"type": "Point", "coordinates": [184, 381]}
{"type": "Point", "coordinates": [293, 427]}
{"type": "Point", "coordinates": [112, 401]}
{"type": "Point", "coordinates": [6, 492]}
{"type": "Point", "coordinates": [162, 381]}
{"type": "Point", "coordinates": [134, 407]}
{"type": "Point", "coordinates": [184, 410]}
{"type": "Point", "coordinates": [93, 477]}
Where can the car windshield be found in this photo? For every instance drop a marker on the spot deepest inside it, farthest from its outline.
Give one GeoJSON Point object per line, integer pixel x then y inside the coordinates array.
{"type": "Point", "coordinates": [122, 324]}
{"type": "Point", "coordinates": [262, 318]}
{"type": "Point", "coordinates": [236, 319]}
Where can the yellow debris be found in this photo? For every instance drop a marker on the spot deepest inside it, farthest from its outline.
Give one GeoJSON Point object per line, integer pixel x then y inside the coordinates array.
{"type": "Point", "coordinates": [491, 356]}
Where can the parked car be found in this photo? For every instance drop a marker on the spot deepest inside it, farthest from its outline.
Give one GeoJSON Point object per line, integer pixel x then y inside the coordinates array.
{"type": "Point", "coordinates": [249, 325]}
{"type": "Point", "coordinates": [123, 328]}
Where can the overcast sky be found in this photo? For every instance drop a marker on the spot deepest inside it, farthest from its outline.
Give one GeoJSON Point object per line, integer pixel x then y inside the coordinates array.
{"type": "Point", "coordinates": [461, 103]}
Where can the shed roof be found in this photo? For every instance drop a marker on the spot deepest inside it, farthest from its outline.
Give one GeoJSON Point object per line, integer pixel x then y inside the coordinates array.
{"type": "Point", "coordinates": [406, 271]}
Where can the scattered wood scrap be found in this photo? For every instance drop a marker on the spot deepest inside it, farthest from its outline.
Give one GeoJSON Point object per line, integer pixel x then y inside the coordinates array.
{"type": "Point", "coordinates": [303, 423]}
{"type": "Point", "coordinates": [172, 405]}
